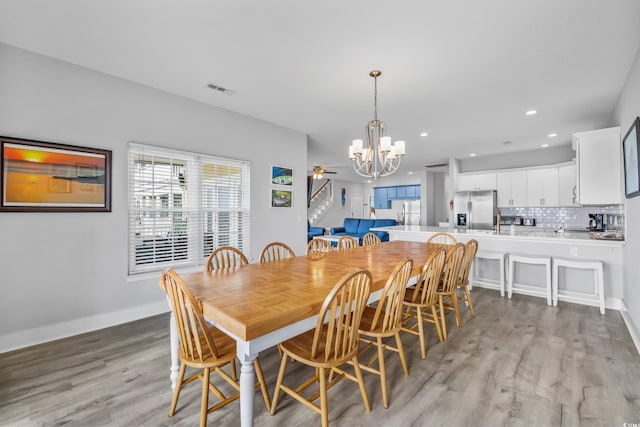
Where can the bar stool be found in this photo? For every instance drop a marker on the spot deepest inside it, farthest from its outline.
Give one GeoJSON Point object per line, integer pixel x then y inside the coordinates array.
{"type": "Point", "coordinates": [485, 281]}
{"type": "Point", "coordinates": [596, 298]}
{"type": "Point", "coordinates": [527, 289]}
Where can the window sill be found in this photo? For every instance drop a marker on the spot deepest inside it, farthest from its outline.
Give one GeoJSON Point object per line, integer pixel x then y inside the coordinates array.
{"type": "Point", "coordinates": [142, 277]}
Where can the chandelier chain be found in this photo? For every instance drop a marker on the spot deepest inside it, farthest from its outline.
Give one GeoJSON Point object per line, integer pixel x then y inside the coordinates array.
{"type": "Point", "coordinates": [375, 98]}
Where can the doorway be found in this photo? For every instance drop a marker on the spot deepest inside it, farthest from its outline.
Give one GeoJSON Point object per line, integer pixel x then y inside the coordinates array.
{"type": "Point", "coordinates": [356, 206]}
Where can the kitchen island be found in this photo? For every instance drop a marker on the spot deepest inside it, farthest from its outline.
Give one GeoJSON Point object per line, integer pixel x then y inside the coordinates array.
{"type": "Point", "coordinates": [536, 242]}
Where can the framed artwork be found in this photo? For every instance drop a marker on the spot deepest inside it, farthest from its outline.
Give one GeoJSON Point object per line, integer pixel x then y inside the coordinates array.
{"type": "Point", "coordinates": [48, 177]}
{"type": "Point", "coordinates": [281, 198]}
{"type": "Point", "coordinates": [630, 148]}
{"type": "Point", "coordinates": [343, 198]}
{"type": "Point", "coordinates": [281, 175]}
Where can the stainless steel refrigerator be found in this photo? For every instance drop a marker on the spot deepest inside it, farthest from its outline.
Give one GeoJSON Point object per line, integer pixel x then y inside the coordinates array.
{"type": "Point", "coordinates": [475, 210]}
{"type": "Point", "coordinates": [411, 212]}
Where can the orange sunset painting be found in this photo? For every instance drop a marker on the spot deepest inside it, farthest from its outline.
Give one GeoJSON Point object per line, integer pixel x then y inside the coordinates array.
{"type": "Point", "coordinates": [43, 176]}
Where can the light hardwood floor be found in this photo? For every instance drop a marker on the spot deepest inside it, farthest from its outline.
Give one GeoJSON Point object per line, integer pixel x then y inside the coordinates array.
{"type": "Point", "coordinates": [518, 362]}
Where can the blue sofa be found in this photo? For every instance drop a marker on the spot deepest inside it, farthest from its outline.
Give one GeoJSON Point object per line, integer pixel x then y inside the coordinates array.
{"type": "Point", "coordinates": [358, 227]}
{"type": "Point", "coordinates": [313, 231]}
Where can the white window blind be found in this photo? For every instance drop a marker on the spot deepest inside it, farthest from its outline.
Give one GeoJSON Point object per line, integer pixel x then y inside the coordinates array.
{"type": "Point", "coordinates": [184, 205]}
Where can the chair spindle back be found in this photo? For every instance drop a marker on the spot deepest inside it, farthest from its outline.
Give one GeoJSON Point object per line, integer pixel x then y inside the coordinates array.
{"type": "Point", "coordinates": [342, 311]}
{"type": "Point", "coordinates": [226, 257]}
{"type": "Point", "coordinates": [276, 251]}
{"type": "Point", "coordinates": [389, 309]}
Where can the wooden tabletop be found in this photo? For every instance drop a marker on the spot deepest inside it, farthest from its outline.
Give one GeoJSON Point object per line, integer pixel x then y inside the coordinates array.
{"type": "Point", "coordinates": [257, 299]}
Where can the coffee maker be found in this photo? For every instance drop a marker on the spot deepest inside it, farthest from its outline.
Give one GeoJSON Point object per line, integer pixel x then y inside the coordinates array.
{"type": "Point", "coordinates": [596, 222]}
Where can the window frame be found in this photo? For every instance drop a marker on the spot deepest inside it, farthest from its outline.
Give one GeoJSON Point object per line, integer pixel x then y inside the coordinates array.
{"type": "Point", "coordinates": [161, 208]}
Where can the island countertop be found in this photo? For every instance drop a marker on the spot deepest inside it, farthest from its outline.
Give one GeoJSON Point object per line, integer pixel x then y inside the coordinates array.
{"type": "Point", "coordinates": [522, 234]}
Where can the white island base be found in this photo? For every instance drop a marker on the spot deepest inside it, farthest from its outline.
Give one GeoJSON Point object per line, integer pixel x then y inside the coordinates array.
{"type": "Point", "coordinates": [576, 245]}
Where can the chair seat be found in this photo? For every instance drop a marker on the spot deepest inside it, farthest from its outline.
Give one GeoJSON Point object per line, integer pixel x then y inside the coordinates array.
{"type": "Point", "coordinates": [367, 321]}
{"type": "Point", "coordinates": [408, 296]}
{"type": "Point", "coordinates": [225, 346]}
{"type": "Point", "coordinates": [299, 348]}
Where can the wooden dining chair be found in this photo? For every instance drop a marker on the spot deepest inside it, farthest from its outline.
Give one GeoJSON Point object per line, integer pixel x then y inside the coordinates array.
{"type": "Point", "coordinates": [332, 343]}
{"type": "Point", "coordinates": [276, 251]}
{"type": "Point", "coordinates": [226, 257]}
{"type": "Point", "coordinates": [442, 239]}
{"type": "Point", "coordinates": [421, 302]}
{"type": "Point", "coordinates": [385, 321]}
{"type": "Point", "coordinates": [318, 246]}
{"type": "Point", "coordinates": [202, 347]}
{"type": "Point", "coordinates": [347, 242]}
{"type": "Point", "coordinates": [470, 250]}
{"type": "Point", "coordinates": [447, 288]}
{"type": "Point", "coordinates": [371, 239]}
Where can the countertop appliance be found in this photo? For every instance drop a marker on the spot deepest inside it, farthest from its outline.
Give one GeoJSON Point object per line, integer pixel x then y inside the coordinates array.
{"type": "Point", "coordinates": [510, 220]}
{"type": "Point", "coordinates": [596, 222]}
{"type": "Point", "coordinates": [410, 213]}
{"type": "Point", "coordinates": [476, 210]}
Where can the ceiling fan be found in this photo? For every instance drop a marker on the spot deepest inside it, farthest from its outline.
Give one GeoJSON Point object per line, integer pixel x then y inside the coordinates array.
{"type": "Point", "coordinates": [318, 171]}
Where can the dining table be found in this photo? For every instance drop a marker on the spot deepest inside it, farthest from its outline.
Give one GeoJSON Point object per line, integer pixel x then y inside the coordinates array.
{"type": "Point", "coordinates": [261, 305]}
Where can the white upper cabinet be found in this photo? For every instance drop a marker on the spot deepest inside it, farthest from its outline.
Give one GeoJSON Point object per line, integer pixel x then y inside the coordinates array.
{"type": "Point", "coordinates": [476, 181]}
{"type": "Point", "coordinates": [598, 167]}
{"type": "Point", "coordinates": [512, 189]}
{"type": "Point", "coordinates": [542, 187]}
{"type": "Point", "coordinates": [567, 191]}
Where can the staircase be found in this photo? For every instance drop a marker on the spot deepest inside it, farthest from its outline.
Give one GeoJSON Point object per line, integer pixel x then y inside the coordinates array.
{"type": "Point", "coordinates": [320, 202]}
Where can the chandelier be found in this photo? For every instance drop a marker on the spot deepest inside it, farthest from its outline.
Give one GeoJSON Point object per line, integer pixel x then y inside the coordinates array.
{"type": "Point", "coordinates": [379, 157]}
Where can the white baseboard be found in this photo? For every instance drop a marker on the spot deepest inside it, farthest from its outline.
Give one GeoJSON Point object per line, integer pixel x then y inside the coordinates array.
{"type": "Point", "coordinates": [633, 330]}
{"type": "Point", "coordinates": [613, 303]}
{"type": "Point", "coordinates": [29, 337]}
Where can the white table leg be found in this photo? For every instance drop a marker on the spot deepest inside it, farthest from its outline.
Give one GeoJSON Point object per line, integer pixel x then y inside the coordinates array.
{"type": "Point", "coordinates": [247, 389]}
{"type": "Point", "coordinates": [174, 340]}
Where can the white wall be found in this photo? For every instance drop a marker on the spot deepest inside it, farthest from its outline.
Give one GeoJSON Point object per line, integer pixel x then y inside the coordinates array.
{"type": "Point", "coordinates": [520, 159]}
{"type": "Point", "coordinates": [627, 109]}
{"type": "Point", "coordinates": [66, 273]}
{"type": "Point", "coordinates": [334, 217]}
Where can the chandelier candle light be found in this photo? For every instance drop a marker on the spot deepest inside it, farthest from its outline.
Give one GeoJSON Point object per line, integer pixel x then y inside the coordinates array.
{"type": "Point", "coordinates": [379, 157]}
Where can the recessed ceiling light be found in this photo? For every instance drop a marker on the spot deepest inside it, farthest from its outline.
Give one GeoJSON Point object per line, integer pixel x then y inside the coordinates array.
{"type": "Point", "coordinates": [472, 155]}
{"type": "Point", "coordinates": [544, 145]}
{"type": "Point", "coordinates": [531, 112]}
{"type": "Point", "coordinates": [369, 182]}
{"type": "Point", "coordinates": [424, 134]}
{"type": "Point", "coordinates": [410, 173]}
{"type": "Point", "coordinates": [552, 135]}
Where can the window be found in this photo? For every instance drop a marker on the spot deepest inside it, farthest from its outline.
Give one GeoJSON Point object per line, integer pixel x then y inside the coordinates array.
{"type": "Point", "coordinates": [184, 205]}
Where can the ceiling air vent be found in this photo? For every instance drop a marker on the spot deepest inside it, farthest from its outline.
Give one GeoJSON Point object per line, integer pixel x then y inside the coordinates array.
{"type": "Point", "coordinates": [221, 89]}
{"type": "Point", "coordinates": [437, 165]}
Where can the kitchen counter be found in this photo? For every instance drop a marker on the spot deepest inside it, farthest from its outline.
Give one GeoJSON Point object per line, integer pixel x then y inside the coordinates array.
{"type": "Point", "coordinates": [521, 234]}
{"type": "Point", "coordinates": [536, 241]}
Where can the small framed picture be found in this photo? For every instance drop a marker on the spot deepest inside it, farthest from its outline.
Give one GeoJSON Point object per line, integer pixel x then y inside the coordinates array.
{"type": "Point", "coordinates": [281, 175]}
{"type": "Point", "coordinates": [281, 198]}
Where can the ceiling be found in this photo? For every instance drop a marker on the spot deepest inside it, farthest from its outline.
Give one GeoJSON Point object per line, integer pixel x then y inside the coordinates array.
{"type": "Point", "coordinates": [464, 71]}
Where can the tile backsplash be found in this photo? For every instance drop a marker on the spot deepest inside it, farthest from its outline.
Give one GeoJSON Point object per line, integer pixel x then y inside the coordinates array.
{"type": "Point", "coordinates": [568, 217]}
